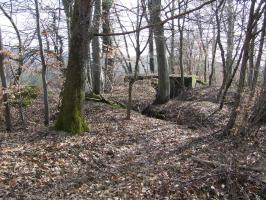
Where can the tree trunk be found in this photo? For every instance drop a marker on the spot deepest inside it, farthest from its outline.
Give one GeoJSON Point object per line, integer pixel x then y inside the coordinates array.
{"type": "Point", "coordinates": [151, 51]}
{"type": "Point", "coordinates": [230, 40]}
{"type": "Point", "coordinates": [163, 94]}
{"type": "Point", "coordinates": [258, 114]}
{"type": "Point", "coordinates": [258, 61]}
{"type": "Point", "coordinates": [96, 65]}
{"type": "Point", "coordinates": [181, 38]}
{"type": "Point", "coordinates": [151, 39]}
{"type": "Point", "coordinates": [214, 48]}
{"type": "Point", "coordinates": [245, 58]}
{"type": "Point", "coordinates": [181, 54]}
{"type": "Point", "coordinates": [107, 46]}
{"type": "Point", "coordinates": [251, 61]}
{"type": "Point", "coordinates": [71, 118]}
{"type": "Point", "coordinates": [68, 8]}
{"type": "Point", "coordinates": [44, 67]}
{"type": "Point", "coordinates": [172, 53]}
{"type": "Point", "coordinates": [4, 85]}
{"type": "Point", "coordinates": [219, 42]}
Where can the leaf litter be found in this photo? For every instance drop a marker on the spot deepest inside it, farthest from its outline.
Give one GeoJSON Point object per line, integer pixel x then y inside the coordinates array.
{"type": "Point", "coordinates": [141, 158]}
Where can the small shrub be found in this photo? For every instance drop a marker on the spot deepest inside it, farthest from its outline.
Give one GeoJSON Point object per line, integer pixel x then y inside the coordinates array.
{"type": "Point", "coordinates": [25, 95]}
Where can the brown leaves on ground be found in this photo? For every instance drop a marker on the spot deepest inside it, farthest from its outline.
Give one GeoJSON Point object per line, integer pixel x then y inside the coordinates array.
{"type": "Point", "coordinates": [142, 158]}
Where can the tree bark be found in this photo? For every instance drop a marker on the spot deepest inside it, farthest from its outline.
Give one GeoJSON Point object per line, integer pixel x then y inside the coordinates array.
{"type": "Point", "coordinates": [172, 63]}
{"type": "Point", "coordinates": [44, 67]}
{"type": "Point", "coordinates": [68, 8]}
{"type": "Point", "coordinates": [71, 118]}
{"type": "Point", "coordinates": [258, 114]}
{"type": "Point", "coordinates": [214, 48]}
{"type": "Point", "coordinates": [151, 51]}
{"type": "Point", "coordinates": [260, 52]}
{"type": "Point", "coordinates": [163, 94]}
{"type": "Point", "coordinates": [230, 40]}
{"type": "Point", "coordinates": [96, 65]}
{"type": "Point", "coordinates": [4, 85]}
{"type": "Point", "coordinates": [107, 46]}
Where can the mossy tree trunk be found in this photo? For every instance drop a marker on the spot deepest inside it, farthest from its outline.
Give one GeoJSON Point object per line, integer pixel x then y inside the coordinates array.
{"type": "Point", "coordinates": [71, 118]}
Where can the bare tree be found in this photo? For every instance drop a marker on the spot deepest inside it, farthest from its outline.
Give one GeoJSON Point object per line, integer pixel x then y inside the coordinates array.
{"type": "Point", "coordinates": [138, 52]}
{"type": "Point", "coordinates": [44, 66]}
{"type": "Point", "coordinates": [181, 26]}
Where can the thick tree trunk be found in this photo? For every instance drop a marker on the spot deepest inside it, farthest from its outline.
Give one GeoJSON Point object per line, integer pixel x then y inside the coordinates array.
{"type": "Point", "coordinates": [163, 94]}
{"type": "Point", "coordinates": [4, 85]}
{"type": "Point", "coordinates": [96, 65]}
{"type": "Point", "coordinates": [71, 118]}
{"type": "Point", "coordinates": [44, 67]}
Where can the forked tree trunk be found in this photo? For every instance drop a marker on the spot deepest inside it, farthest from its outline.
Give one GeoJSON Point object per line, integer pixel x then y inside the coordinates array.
{"type": "Point", "coordinates": [4, 85]}
{"type": "Point", "coordinates": [71, 118]}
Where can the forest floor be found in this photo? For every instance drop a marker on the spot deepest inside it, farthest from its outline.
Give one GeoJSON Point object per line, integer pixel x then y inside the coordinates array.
{"type": "Point", "coordinates": [183, 155]}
